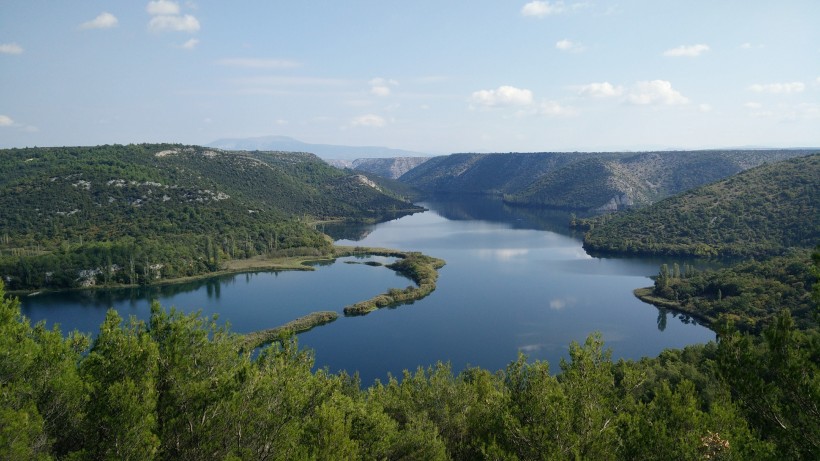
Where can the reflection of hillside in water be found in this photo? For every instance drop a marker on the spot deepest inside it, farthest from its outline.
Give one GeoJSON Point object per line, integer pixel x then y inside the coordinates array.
{"type": "Point", "coordinates": [471, 208]}
{"type": "Point", "coordinates": [346, 231]}
{"type": "Point", "coordinates": [133, 296]}
{"type": "Point", "coordinates": [357, 231]}
{"type": "Point", "coordinates": [493, 209]}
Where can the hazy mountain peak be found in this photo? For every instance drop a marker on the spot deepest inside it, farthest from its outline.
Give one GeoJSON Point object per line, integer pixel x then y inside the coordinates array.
{"type": "Point", "coordinates": [288, 144]}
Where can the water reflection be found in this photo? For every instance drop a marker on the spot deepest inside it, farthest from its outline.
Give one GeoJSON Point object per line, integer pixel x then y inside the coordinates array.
{"type": "Point", "coordinates": [509, 285]}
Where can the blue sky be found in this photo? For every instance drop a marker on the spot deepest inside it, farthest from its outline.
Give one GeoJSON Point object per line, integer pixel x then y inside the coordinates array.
{"type": "Point", "coordinates": [431, 76]}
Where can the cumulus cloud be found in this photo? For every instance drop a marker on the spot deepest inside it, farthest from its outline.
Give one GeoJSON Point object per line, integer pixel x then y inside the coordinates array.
{"type": "Point", "coordinates": [599, 90]}
{"type": "Point", "coordinates": [259, 63]}
{"type": "Point", "coordinates": [381, 86]}
{"type": "Point", "coordinates": [166, 16]}
{"type": "Point", "coordinates": [655, 92]}
{"type": "Point", "coordinates": [539, 9]}
{"type": "Point", "coordinates": [190, 44]}
{"type": "Point", "coordinates": [185, 23]}
{"type": "Point", "coordinates": [778, 88]}
{"type": "Point", "coordinates": [705, 108]}
{"type": "Point", "coordinates": [752, 105]}
{"type": "Point", "coordinates": [162, 8]}
{"type": "Point", "coordinates": [691, 51]}
{"type": "Point", "coordinates": [5, 120]}
{"type": "Point", "coordinates": [568, 45]}
{"type": "Point", "coordinates": [369, 120]}
{"type": "Point", "coordinates": [503, 96]}
{"type": "Point", "coordinates": [103, 21]}
{"type": "Point", "coordinates": [10, 48]}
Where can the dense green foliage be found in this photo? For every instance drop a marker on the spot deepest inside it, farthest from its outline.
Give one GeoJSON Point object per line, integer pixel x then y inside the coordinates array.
{"type": "Point", "coordinates": [178, 388]}
{"type": "Point", "coordinates": [750, 294]}
{"type": "Point", "coordinates": [761, 211]}
{"type": "Point", "coordinates": [137, 213]}
{"type": "Point", "coordinates": [584, 181]}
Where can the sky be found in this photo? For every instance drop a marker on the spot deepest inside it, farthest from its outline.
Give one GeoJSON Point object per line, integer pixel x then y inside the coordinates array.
{"type": "Point", "coordinates": [429, 76]}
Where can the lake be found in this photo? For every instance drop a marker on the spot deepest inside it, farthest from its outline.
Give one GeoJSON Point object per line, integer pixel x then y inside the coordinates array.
{"type": "Point", "coordinates": [516, 280]}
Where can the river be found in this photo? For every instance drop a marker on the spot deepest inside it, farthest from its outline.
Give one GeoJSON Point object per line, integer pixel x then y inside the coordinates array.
{"type": "Point", "coordinates": [515, 281]}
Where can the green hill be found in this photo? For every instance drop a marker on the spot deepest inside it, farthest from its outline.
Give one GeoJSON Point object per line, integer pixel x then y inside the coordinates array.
{"type": "Point", "coordinates": [760, 211]}
{"type": "Point", "coordinates": [173, 210]}
{"type": "Point", "coordinates": [585, 181]}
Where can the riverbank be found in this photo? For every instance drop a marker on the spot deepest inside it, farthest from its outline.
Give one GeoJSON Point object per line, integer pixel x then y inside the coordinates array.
{"type": "Point", "coordinates": [645, 295]}
{"type": "Point", "coordinates": [235, 266]}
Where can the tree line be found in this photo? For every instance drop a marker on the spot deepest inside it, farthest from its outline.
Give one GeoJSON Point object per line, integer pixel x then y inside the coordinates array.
{"type": "Point", "coordinates": [180, 387]}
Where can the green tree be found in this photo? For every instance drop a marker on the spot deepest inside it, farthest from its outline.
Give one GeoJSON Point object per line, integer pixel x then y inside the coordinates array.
{"type": "Point", "coordinates": [121, 372]}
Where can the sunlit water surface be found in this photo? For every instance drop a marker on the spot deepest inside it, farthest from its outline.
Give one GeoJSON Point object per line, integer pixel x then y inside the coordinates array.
{"type": "Point", "coordinates": [515, 280]}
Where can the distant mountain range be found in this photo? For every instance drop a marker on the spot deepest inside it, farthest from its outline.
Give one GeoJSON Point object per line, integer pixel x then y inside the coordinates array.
{"type": "Point", "coordinates": [391, 168]}
{"type": "Point", "coordinates": [325, 151]}
{"type": "Point", "coordinates": [603, 181]}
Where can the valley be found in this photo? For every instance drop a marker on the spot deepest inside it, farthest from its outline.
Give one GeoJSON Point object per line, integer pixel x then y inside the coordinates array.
{"type": "Point", "coordinates": [199, 228]}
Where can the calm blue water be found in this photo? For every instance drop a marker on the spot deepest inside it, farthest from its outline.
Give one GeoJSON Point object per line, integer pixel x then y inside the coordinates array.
{"type": "Point", "coordinates": [512, 283]}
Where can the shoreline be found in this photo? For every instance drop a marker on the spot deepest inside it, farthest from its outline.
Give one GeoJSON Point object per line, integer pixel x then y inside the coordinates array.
{"type": "Point", "coordinates": [645, 295]}
{"type": "Point", "coordinates": [420, 268]}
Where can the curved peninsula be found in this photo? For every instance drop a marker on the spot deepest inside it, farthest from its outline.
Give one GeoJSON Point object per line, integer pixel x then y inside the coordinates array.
{"type": "Point", "coordinates": [420, 268]}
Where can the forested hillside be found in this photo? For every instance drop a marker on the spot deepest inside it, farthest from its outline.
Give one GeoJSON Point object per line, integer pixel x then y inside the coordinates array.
{"type": "Point", "coordinates": [759, 212]}
{"type": "Point", "coordinates": [136, 213]}
{"type": "Point", "coordinates": [750, 294]}
{"type": "Point", "coordinates": [584, 181]}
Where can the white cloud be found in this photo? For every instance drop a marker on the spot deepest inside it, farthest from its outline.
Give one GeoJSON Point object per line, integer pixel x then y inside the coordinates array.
{"type": "Point", "coordinates": [103, 21]}
{"type": "Point", "coordinates": [753, 105]}
{"type": "Point", "coordinates": [369, 120]}
{"type": "Point", "coordinates": [504, 96]}
{"type": "Point", "coordinates": [6, 121]}
{"type": "Point", "coordinates": [553, 109]}
{"type": "Point", "coordinates": [691, 51]}
{"type": "Point", "coordinates": [166, 16]}
{"type": "Point", "coordinates": [599, 90]}
{"type": "Point", "coordinates": [185, 23]}
{"type": "Point", "coordinates": [567, 45]}
{"type": "Point", "coordinates": [162, 8]}
{"type": "Point", "coordinates": [539, 9]}
{"type": "Point", "coordinates": [190, 44]}
{"type": "Point", "coordinates": [10, 48]}
{"type": "Point", "coordinates": [655, 92]}
{"type": "Point", "coordinates": [705, 108]}
{"type": "Point", "coordinates": [778, 88]}
{"type": "Point", "coordinates": [259, 63]}
{"type": "Point", "coordinates": [381, 86]}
